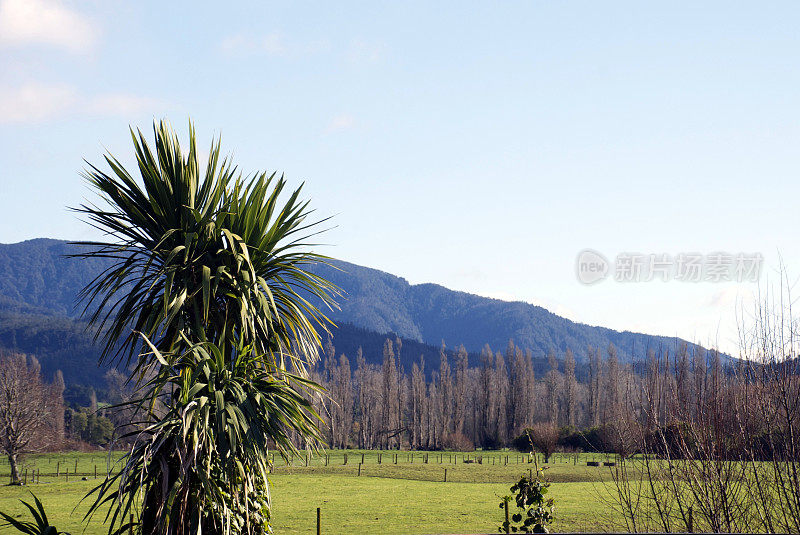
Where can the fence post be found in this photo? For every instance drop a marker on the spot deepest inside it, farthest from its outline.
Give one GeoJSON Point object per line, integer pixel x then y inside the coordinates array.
{"type": "Point", "coordinates": [319, 522]}
{"type": "Point", "coordinates": [359, 469]}
{"type": "Point", "coordinates": [445, 475]}
{"type": "Point", "coordinates": [76, 466]}
{"type": "Point", "coordinates": [690, 521]}
{"type": "Point", "coordinates": [58, 468]}
{"type": "Point", "coordinates": [362, 458]}
{"type": "Point", "coordinates": [345, 459]}
{"type": "Point", "coordinates": [95, 471]}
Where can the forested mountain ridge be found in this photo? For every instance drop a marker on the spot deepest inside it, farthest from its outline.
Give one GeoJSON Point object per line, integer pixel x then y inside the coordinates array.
{"type": "Point", "coordinates": [433, 314]}
{"type": "Point", "coordinates": [39, 274]}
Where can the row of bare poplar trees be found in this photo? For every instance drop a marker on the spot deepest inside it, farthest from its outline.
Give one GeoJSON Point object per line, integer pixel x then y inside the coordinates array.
{"type": "Point", "coordinates": [460, 406]}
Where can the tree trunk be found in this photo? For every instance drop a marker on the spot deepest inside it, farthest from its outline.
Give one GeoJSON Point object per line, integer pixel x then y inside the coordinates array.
{"type": "Point", "coordinates": [12, 461]}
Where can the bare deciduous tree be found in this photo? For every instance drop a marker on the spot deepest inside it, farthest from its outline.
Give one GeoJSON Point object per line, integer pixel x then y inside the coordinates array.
{"type": "Point", "coordinates": [27, 407]}
{"type": "Point", "coordinates": [570, 388]}
{"type": "Point", "coordinates": [551, 383]}
{"type": "Point", "coordinates": [544, 437]}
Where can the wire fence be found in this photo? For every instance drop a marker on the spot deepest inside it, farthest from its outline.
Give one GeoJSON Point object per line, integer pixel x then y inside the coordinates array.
{"type": "Point", "coordinates": [466, 467]}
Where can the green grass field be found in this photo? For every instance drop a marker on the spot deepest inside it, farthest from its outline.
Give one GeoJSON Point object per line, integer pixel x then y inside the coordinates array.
{"type": "Point", "coordinates": [408, 497]}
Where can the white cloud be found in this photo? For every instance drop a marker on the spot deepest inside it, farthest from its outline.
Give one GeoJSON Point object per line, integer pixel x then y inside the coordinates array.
{"type": "Point", "coordinates": [120, 104]}
{"type": "Point", "coordinates": [25, 22]}
{"type": "Point", "coordinates": [35, 103]}
{"type": "Point", "coordinates": [271, 44]}
{"type": "Point", "coordinates": [731, 297]}
{"type": "Point", "coordinates": [343, 121]}
{"type": "Point", "coordinates": [364, 52]}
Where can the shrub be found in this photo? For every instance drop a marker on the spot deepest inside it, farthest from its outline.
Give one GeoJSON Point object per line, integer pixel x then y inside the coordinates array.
{"type": "Point", "coordinates": [541, 437]}
{"type": "Point", "coordinates": [458, 442]}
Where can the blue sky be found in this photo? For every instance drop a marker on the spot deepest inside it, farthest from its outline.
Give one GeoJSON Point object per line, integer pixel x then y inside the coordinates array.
{"type": "Point", "coordinates": [479, 146]}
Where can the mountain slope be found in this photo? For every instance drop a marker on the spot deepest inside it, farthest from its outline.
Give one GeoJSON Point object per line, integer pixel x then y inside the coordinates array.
{"type": "Point", "coordinates": [37, 274]}
{"type": "Point", "coordinates": [432, 313]}
{"type": "Point", "coordinates": [63, 343]}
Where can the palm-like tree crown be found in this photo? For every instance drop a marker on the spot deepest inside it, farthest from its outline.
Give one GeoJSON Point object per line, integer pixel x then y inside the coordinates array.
{"type": "Point", "coordinates": [209, 256]}
{"type": "Point", "coordinates": [210, 293]}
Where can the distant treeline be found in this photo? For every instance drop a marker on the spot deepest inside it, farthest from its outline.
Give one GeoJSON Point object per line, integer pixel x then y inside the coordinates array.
{"type": "Point", "coordinates": [448, 404]}
{"type": "Point", "coordinates": [390, 392]}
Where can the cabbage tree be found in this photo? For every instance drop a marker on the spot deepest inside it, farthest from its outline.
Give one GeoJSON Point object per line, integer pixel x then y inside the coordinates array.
{"type": "Point", "coordinates": [210, 300]}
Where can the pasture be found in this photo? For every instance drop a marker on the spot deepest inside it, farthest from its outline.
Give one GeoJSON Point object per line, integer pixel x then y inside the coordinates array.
{"type": "Point", "coordinates": [396, 492]}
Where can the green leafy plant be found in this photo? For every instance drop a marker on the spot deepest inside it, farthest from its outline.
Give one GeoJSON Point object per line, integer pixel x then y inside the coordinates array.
{"type": "Point", "coordinates": [40, 524]}
{"type": "Point", "coordinates": [202, 255]}
{"type": "Point", "coordinates": [210, 297]}
{"type": "Point", "coordinates": [209, 451]}
{"type": "Point", "coordinates": [534, 512]}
